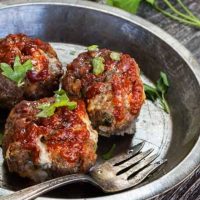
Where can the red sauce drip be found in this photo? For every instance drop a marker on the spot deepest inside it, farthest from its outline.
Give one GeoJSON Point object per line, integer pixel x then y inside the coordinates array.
{"type": "Point", "coordinates": [64, 133]}
{"type": "Point", "coordinates": [94, 89]}
{"type": "Point", "coordinates": [117, 99]}
{"type": "Point", "coordinates": [135, 102]}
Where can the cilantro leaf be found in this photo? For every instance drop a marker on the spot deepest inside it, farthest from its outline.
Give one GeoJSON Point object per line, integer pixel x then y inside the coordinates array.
{"type": "Point", "coordinates": [6, 69]}
{"type": "Point", "coordinates": [98, 65]}
{"type": "Point", "coordinates": [180, 13]}
{"type": "Point", "coordinates": [61, 100]}
{"type": "Point", "coordinates": [71, 105]}
{"type": "Point", "coordinates": [159, 91]}
{"type": "Point", "coordinates": [47, 111]}
{"type": "Point", "coordinates": [61, 96]}
{"type": "Point", "coordinates": [115, 56]}
{"type": "Point", "coordinates": [128, 5]}
{"type": "Point", "coordinates": [152, 2]}
{"type": "Point", "coordinates": [162, 83]}
{"type": "Point", "coordinates": [93, 48]}
{"type": "Point", "coordinates": [18, 72]}
{"type": "Point", "coordinates": [109, 154]}
{"type": "Point", "coordinates": [151, 92]}
{"type": "Point", "coordinates": [44, 105]}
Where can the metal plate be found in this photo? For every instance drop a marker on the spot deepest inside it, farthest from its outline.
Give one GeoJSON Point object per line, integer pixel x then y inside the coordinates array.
{"type": "Point", "coordinates": [175, 137]}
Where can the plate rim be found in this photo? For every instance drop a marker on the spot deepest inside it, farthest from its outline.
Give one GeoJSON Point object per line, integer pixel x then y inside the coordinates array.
{"type": "Point", "coordinates": [192, 160]}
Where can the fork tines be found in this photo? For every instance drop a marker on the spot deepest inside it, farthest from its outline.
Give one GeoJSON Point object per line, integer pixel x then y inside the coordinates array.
{"type": "Point", "coordinates": [134, 166]}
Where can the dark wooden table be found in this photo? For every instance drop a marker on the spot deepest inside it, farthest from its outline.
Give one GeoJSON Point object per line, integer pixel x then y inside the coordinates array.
{"type": "Point", "coordinates": [190, 38]}
{"type": "Point", "coordinates": [189, 189]}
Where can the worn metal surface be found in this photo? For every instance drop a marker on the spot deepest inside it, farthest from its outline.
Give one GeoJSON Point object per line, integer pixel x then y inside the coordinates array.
{"type": "Point", "coordinates": [153, 49]}
{"type": "Point", "coordinates": [190, 38]}
{"type": "Point", "coordinates": [105, 175]}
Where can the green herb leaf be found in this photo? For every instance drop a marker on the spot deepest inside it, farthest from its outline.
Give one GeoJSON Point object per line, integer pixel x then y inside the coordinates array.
{"type": "Point", "coordinates": [109, 154]}
{"type": "Point", "coordinates": [152, 2]}
{"type": "Point", "coordinates": [61, 95]}
{"type": "Point", "coordinates": [61, 100]}
{"type": "Point", "coordinates": [47, 111]}
{"type": "Point", "coordinates": [115, 56]}
{"type": "Point", "coordinates": [98, 65]}
{"type": "Point", "coordinates": [109, 2]}
{"type": "Point", "coordinates": [128, 5]}
{"type": "Point", "coordinates": [93, 48]}
{"type": "Point", "coordinates": [18, 73]}
{"type": "Point", "coordinates": [164, 104]}
{"type": "Point", "coordinates": [162, 84]}
{"type": "Point", "coordinates": [71, 105]}
{"type": "Point", "coordinates": [151, 92]}
{"type": "Point", "coordinates": [44, 105]}
{"type": "Point", "coordinates": [159, 91]}
{"type": "Point", "coordinates": [182, 15]}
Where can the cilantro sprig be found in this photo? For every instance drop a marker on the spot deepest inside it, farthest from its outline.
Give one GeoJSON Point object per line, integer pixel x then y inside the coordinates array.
{"type": "Point", "coordinates": [185, 16]}
{"type": "Point", "coordinates": [128, 5]}
{"type": "Point", "coordinates": [115, 56]}
{"type": "Point", "coordinates": [18, 72]}
{"type": "Point", "coordinates": [61, 100]}
{"type": "Point", "coordinates": [159, 91]}
{"type": "Point", "coordinates": [182, 15]}
{"type": "Point", "coordinates": [93, 47]}
{"type": "Point", "coordinates": [98, 65]}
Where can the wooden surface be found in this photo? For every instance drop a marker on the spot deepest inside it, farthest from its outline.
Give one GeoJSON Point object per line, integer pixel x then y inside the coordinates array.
{"type": "Point", "coordinates": [190, 38]}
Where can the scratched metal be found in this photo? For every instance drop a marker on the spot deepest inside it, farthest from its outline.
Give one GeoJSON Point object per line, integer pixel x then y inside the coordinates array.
{"type": "Point", "coordinates": [175, 137]}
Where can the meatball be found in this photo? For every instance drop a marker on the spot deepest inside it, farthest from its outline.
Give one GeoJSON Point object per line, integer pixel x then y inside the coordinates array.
{"type": "Point", "coordinates": [114, 97]}
{"type": "Point", "coordinates": [42, 148]}
{"type": "Point", "coordinates": [40, 81]}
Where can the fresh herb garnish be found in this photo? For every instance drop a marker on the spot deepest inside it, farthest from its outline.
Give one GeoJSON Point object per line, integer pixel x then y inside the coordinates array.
{"type": "Point", "coordinates": [109, 154]}
{"type": "Point", "coordinates": [115, 56]}
{"type": "Point", "coordinates": [61, 99]}
{"type": "Point", "coordinates": [93, 48]}
{"type": "Point", "coordinates": [182, 15]}
{"type": "Point", "coordinates": [159, 91]}
{"type": "Point", "coordinates": [46, 110]}
{"type": "Point", "coordinates": [98, 65]}
{"type": "Point", "coordinates": [18, 72]}
{"type": "Point", "coordinates": [186, 17]}
{"type": "Point", "coordinates": [128, 5]}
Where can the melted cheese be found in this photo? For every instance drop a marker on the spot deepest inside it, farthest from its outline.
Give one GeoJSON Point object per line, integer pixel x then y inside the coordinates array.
{"type": "Point", "coordinates": [93, 133]}
{"type": "Point", "coordinates": [44, 157]}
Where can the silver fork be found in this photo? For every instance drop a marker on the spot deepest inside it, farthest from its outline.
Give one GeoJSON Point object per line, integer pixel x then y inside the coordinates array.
{"type": "Point", "coordinates": [119, 173]}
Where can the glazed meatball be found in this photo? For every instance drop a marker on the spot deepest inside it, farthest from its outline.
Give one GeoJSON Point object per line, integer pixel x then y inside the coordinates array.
{"type": "Point", "coordinates": [42, 148]}
{"type": "Point", "coordinates": [40, 81]}
{"type": "Point", "coordinates": [114, 97]}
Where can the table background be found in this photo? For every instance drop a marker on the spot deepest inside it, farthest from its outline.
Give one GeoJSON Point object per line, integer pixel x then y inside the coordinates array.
{"type": "Point", "coordinates": [190, 38]}
{"type": "Point", "coordinates": [189, 189]}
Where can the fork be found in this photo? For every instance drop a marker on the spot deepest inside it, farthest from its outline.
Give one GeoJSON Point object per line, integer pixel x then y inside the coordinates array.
{"type": "Point", "coordinates": [119, 173]}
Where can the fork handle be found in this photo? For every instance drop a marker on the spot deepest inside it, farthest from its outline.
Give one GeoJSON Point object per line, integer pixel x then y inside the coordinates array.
{"type": "Point", "coordinates": [36, 190]}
